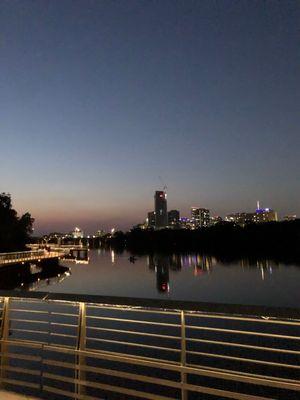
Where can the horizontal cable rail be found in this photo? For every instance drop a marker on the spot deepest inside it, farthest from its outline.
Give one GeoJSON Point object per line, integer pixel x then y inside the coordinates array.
{"type": "Point", "coordinates": [240, 332]}
{"type": "Point", "coordinates": [246, 346]}
{"type": "Point", "coordinates": [135, 321]}
{"type": "Point", "coordinates": [147, 349]}
{"type": "Point", "coordinates": [135, 333]}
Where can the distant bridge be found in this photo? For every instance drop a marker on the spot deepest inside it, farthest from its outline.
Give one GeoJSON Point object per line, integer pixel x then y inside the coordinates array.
{"type": "Point", "coordinates": [20, 257]}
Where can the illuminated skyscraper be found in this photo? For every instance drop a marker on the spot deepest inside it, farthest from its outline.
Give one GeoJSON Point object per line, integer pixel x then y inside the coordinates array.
{"type": "Point", "coordinates": [265, 215]}
{"type": "Point", "coordinates": [261, 215]}
{"type": "Point", "coordinates": [200, 217]}
{"type": "Point", "coordinates": [160, 206]}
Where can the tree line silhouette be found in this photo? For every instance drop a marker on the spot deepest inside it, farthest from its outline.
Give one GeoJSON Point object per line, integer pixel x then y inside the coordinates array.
{"type": "Point", "coordinates": [14, 230]}
{"type": "Point", "coordinates": [271, 238]}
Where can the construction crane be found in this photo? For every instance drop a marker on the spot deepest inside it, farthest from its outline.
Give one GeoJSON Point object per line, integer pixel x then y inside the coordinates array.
{"type": "Point", "coordinates": [163, 184]}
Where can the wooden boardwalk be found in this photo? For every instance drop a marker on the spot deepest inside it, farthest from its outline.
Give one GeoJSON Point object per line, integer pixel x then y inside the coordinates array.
{"type": "Point", "coordinates": [57, 247]}
{"type": "Point", "coordinates": [20, 257]}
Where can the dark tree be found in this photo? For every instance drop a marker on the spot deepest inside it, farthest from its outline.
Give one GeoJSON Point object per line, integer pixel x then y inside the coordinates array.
{"type": "Point", "coordinates": [14, 231]}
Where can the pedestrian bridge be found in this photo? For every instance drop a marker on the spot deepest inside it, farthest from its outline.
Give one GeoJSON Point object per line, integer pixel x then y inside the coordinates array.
{"type": "Point", "coordinates": [63, 346]}
{"type": "Point", "coordinates": [20, 257]}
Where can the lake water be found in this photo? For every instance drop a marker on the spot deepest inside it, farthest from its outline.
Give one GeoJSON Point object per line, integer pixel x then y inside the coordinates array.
{"type": "Point", "coordinates": [182, 277]}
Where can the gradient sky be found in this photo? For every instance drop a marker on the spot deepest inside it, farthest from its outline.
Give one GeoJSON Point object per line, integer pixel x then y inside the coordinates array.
{"type": "Point", "coordinates": [100, 98]}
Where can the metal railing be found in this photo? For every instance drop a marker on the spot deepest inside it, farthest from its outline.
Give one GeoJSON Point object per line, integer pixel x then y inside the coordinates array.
{"type": "Point", "coordinates": [27, 256]}
{"type": "Point", "coordinates": [93, 347]}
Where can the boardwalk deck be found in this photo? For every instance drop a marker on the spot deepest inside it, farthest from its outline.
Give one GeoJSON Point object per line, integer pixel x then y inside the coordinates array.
{"type": "Point", "coordinates": [27, 256]}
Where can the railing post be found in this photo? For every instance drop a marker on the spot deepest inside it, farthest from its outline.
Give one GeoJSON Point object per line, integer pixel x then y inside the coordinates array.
{"type": "Point", "coordinates": [4, 337]}
{"type": "Point", "coordinates": [184, 394]}
{"type": "Point", "coordinates": [81, 342]}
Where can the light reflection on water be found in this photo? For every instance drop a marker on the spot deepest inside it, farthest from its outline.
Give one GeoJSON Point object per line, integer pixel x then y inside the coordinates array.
{"type": "Point", "coordinates": [195, 277]}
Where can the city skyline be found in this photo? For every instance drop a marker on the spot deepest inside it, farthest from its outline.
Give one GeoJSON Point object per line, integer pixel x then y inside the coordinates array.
{"type": "Point", "coordinates": [115, 223]}
{"type": "Point", "coordinates": [197, 217]}
{"type": "Point", "coordinates": [99, 99]}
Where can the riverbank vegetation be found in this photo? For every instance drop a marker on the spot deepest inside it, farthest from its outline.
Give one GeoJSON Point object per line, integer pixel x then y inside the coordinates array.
{"type": "Point", "coordinates": [14, 230]}
{"type": "Point", "coordinates": [273, 238]}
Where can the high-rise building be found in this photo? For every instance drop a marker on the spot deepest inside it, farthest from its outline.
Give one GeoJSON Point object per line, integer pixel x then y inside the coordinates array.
{"type": "Point", "coordinates": [240, 218]}
{"type": "Point", "coordinates": [200, 217]}
{"type": "Point", "coordinates": [160, 206]}
{"type": "Point", "coordinates": [261, 215]}
{"type": "Point", "coordinates": [173, 218]}
{"type": "Point", "coordinates": [151, 219]}
{"type": "Point", "coordinates": [265, 215]}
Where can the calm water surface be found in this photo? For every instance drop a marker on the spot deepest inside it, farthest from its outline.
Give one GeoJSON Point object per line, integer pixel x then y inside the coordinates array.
{"type": "Point", "coordinates": [181, 277]}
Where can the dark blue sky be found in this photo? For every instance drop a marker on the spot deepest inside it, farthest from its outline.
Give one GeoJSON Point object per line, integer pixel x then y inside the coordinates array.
{"type": "Point", "coordinates": [100, 98]}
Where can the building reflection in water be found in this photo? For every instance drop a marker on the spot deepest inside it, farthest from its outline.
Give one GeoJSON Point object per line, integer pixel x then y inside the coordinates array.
{"type": "Point", "coordinates": [161, 264]}
{"type": "Point", "coordinates": [112, 257]}
{"type": "Point", "coordinates": [200, 264]}
{"type": "Point", "coordinates": [264, 266]}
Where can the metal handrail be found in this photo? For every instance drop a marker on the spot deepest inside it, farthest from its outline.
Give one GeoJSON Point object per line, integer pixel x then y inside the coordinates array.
{"type": "Point", "coordinates": [146, 335]}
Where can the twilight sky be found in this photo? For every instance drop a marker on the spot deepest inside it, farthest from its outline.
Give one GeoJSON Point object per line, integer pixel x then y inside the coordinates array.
{"type": "Point", "coordinates": [100, 98]}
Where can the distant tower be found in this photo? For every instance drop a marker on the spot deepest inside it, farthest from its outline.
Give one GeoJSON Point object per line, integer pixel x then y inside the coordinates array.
{"type": "Point", "coordinates": [160, 206]}
{"type": "Point", "coordinates": [200, 217]}
{"type": "Point", "coordinates": [257, 205]}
